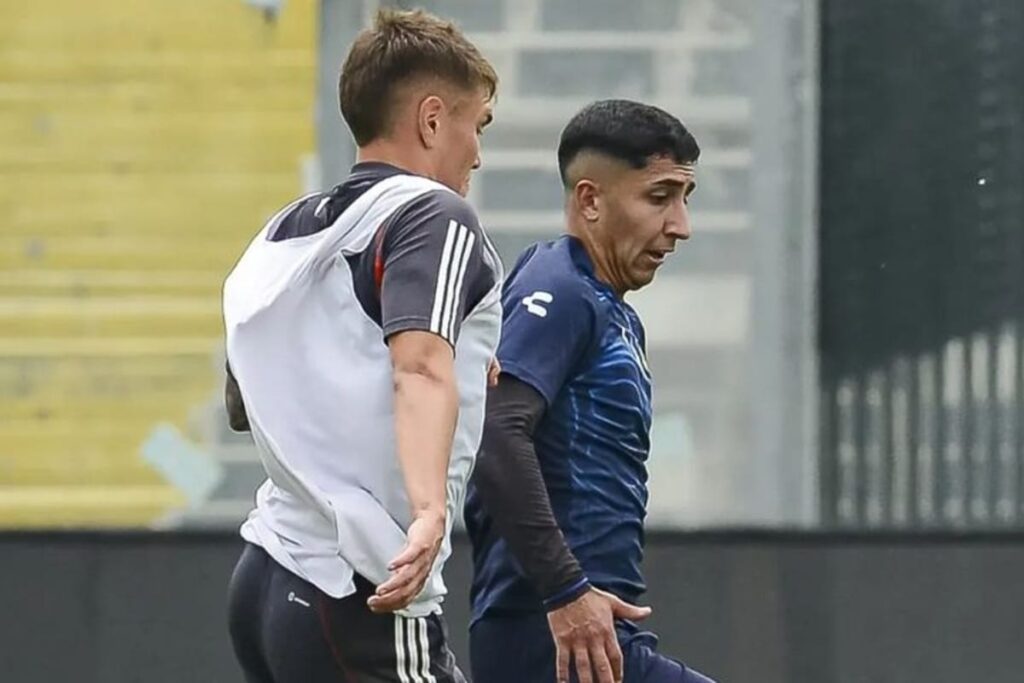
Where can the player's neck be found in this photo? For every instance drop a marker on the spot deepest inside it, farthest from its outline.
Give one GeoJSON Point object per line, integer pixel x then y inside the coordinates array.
{"type": "Point", "coordinates": [396, 154]}
{"type": "Point", "coordinates": [599, 260]}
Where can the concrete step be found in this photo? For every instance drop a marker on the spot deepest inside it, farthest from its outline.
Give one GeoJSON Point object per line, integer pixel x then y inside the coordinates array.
{"type": "Point", "coordinates": [85, 506]}
{"type": "Point", "coordinates": [110, 316]}
{"type": "Point", "coordinates": [75, 284]}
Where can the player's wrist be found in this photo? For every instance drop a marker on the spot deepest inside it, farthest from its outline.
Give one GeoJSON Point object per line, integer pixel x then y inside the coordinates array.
{"type": "Point", "coordinates": [567, 594]}
{"type": "Point", "coordinates": [432, 514]}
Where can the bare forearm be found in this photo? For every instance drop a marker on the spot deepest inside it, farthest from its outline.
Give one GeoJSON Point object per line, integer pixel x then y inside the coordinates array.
{"type": "Point", "coordinates": [426, 409]}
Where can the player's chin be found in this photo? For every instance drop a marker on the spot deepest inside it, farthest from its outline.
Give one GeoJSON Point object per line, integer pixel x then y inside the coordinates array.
{"type": "Point", "coordinates": [644, 276]}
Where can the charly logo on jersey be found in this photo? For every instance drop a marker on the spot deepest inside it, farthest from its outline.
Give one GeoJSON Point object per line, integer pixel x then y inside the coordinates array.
{"type": "Point", "coordinates": [532, 305]}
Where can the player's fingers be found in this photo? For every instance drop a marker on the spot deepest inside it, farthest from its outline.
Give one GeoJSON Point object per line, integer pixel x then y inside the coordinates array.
{"type": "Point", "coordinates": [583, 670]}
{"type": "Point", "coordinates": [380, 605]}
{"type": "Point", "coordinates": [406, 575]}
{"type": "Point", "coordinates": [402, 578]}
{"type": "Point", "coordinates": [391, 603]}
{"type": "Point", "coordinates": [396, 599]}
{"type": "Point", "coordinates": [599, 662]}
{"type": "Point", "coordinates": [614, 652]}
{"type": "Point", "coordinates": [623, 610]}
{"type": "Point", "coordinates": [562, 662]}
{"type": "Point", "coordinates": [410, 553]}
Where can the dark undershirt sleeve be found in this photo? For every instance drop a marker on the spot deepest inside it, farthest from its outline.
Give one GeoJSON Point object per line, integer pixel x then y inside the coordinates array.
{"type": "Point", "coordinates": [511, 487]}
{"type": "Point", "coordinates": [233, 403]}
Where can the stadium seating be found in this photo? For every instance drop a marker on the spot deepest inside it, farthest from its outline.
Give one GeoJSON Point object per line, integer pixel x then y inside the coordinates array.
{"type": "Point", "coordinates": [138, 153]}
{"type": "Point", "coordinates": [138, 156]}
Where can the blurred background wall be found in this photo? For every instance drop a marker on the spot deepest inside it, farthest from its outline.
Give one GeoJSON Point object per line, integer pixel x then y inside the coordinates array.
{"type": "Point", "coordinates": [148, 143]}
{"type": "Point", "coordinates": [141, 145]}
{"type": "Point", "coordinates": [837, 351]}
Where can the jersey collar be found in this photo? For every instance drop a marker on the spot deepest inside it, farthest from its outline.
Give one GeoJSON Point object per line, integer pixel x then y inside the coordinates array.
{"type": "Point", "coordinates": [581, 259]}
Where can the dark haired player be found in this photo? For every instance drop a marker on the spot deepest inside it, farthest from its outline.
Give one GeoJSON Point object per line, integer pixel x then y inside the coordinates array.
{"type": "Point", "coordinates": [558, 498]}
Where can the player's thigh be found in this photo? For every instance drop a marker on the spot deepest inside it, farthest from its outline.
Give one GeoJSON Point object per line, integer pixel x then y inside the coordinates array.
{"type": "Point", "coordinates": [295, 646]}
{"type": "Point", "coordinates": [512, 649]}
{"type": "Point", "coordinates": [386, 648]}
{"type": "Point", "coordinates": [245, 601]}
{"type": "Point", "coordinates": [644, 664]}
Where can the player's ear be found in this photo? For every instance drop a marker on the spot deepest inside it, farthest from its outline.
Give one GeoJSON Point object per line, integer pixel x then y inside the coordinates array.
{"type": "Point", "coordinates": [586, 194]}
{"type": "Point", "coordinates": [428, 119]}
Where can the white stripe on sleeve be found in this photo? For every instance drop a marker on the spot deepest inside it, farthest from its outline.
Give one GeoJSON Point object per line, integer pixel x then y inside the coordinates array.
{"type": "Point", "coordinates": [458, 263]}
{"type": "Point", "coordinates": [450, 331]}
{"type": "Point", "coordinates": [442, 277]}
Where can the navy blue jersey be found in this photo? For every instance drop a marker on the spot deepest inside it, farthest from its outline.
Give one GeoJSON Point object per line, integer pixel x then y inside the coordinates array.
{"type": "Point", "coordinates": [568, 336]}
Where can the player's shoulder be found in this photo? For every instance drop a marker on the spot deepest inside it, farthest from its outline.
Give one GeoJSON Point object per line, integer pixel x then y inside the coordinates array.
{"type": "Point", "coordinates": [549, 275]}
{"type": "Point", "coordinates": [438, 202]}
{"type": "Point", "coordinates": [449, 200]}
{"type": "Point", "coordinates": [553, 265]}
{"type": "Point", "coordinates": [298, 218]}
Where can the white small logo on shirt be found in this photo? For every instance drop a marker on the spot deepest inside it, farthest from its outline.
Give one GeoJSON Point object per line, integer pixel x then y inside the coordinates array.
{"type": "Point", "coordinates": [294, 598]}
{"type": "Point", "coordinates": [533, 307]}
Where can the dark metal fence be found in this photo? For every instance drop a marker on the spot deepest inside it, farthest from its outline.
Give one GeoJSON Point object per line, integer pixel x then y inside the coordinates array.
{"type": "Point", "coordinates": [922, 263]}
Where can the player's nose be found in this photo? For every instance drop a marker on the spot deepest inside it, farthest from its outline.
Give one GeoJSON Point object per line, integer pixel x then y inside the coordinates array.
{"type": "Point", "coordinates": [677, 225]}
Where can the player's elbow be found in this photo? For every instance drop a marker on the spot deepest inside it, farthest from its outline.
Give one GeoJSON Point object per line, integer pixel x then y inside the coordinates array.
{"type": "Point", "coordinates": [504, 426]}
{"type": "Point", "coordinates": [503, 432]}
{"type": "Point", "coordinates": [487, 475]}
{"type": "Point", "coordinates": [421, 356]}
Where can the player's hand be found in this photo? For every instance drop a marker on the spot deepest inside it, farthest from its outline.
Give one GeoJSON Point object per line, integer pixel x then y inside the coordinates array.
{"type": "Point", "coordinates": [492, 373]}
{"type": "Point", "coordinates": [411, 568]}
{"type": "Point", "coordinates": [584, 631]}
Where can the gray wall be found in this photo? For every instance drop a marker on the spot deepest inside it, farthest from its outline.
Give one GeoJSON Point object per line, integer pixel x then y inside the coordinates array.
{"type": "Point", "coordinates": [747, 608]}
{"type": "Point", "coordinates": [730, 319]}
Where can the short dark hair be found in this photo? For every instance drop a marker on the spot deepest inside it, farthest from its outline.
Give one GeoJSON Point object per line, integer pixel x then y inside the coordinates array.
{"type": "Point", "coordinates": [630, 131]}
{"type": "Point", "coordinates": [401, 46]}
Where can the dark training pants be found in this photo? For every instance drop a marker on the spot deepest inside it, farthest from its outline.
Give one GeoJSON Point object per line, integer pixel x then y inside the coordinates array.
{"type": "Point", "coordinates": [285, 630]}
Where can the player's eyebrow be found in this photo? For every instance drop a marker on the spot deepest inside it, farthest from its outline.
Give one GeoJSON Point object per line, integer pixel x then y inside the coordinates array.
{"type": "Point", "coordinates": [687, 186]}
{"type": "Point", "coordinates": [671, 182]}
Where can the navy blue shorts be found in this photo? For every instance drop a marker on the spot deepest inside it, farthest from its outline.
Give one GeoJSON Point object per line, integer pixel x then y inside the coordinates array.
{"type": "Point", "coordinates": [514, 649]}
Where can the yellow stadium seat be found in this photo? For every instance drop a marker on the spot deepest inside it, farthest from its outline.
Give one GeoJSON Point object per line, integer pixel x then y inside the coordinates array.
{"type": "Point", "coordinates": [141, 146]}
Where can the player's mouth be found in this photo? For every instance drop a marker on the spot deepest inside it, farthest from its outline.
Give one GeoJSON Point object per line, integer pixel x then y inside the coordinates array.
{"type": "Point", "coordinates": [658, 256]}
